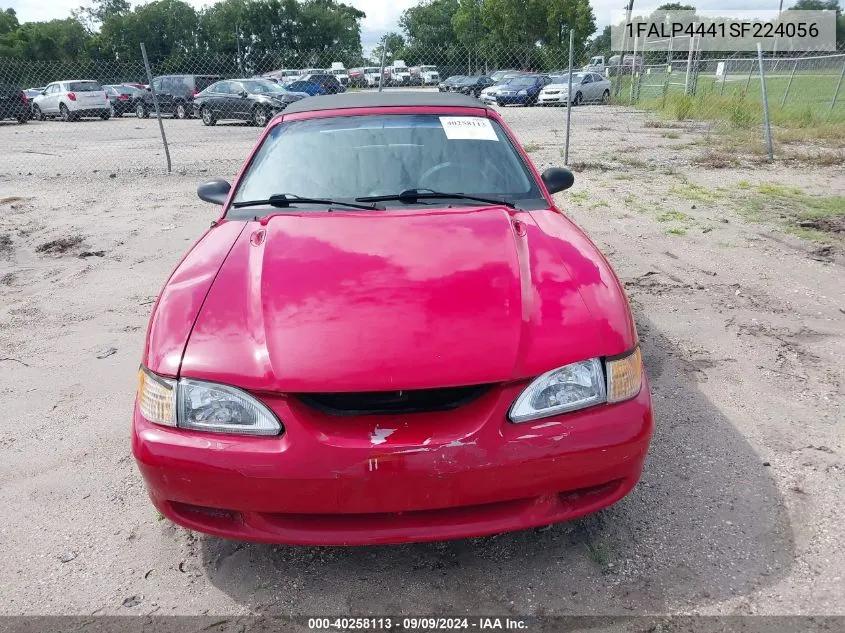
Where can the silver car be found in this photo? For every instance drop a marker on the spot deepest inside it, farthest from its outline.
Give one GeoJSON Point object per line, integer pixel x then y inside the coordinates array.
{"type": "Point", "coordinates": [585, 87]}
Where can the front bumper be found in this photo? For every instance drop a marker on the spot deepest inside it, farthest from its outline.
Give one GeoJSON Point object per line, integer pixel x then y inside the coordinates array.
{"type": "Point", "coordinates": [389, 479]}
{"type": "Point", "coordinates": [560, 97]}
{"type": "Point", "coordinates": [506, 100]}
{"type": "Point", "coordinates": [92, 112]}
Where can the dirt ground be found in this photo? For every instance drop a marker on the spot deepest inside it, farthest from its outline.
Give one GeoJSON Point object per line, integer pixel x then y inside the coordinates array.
{"type": "Point", "coordinates": [740, 509]}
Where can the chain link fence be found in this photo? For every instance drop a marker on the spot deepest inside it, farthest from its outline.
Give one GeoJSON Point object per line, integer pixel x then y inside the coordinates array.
{"type": "Point", "coordinates": [213, 106]}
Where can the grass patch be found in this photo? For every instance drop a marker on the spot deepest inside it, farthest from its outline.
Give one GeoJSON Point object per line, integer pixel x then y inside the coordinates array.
{"type": "Point", "coordinates": [587, 165]}
{"type": "Point", "coordinates": [673, 216]}
{"type": "Point", "coordinates": [694, 193]}
{"type": "Point", "coordinates": [671, 135]}
{"type": "Point", "coordinates": [600, 204]}
{"type": "Point", "coordinates": [676, 231]}
{"type": "Point", "coordinates": [715, 159]}
{"type": "Point", "coordinates": [10, 199]}
{"type": "Point", "coordinates": [744, 184]}
{"type": "Point", "coordinates": [532, 147]}
{"type": "Point", "coordinates": [623, 177]}
{"type": "Point", "coordinates": [815, 218]}
{"type": "Point", "coordinates": [600, 554]}
{"type": "Point", "coordinates": [579, 197]}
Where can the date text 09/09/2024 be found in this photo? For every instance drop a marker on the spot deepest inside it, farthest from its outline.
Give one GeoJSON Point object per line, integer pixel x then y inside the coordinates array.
{"type": "Point", "coordinates": [388, 623]}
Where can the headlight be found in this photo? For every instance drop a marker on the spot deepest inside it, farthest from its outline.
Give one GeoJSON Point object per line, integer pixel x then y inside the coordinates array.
{"type": "Point", "coordinates": [569, 388]}
{"type": "Point", "coordinates": [203, 406]}
{"type": "Point", "coordinates": [522, 92]}
{"type": "Point", "coordinates": [580, 385]}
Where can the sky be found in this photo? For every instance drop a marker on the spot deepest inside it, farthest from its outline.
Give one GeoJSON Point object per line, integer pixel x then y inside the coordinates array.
{"type": "Point", "coordinates": [382, 15]}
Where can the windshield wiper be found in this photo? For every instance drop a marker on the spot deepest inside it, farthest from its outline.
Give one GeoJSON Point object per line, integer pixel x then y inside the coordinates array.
{"type": "Point", "coordinates": [413, 195]}
{"type": "Point", "coordinates": [285, 200]}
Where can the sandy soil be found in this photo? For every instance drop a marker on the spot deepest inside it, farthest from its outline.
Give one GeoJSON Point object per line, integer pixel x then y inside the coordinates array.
{"type": "Point", "coordinates": [740, 509]}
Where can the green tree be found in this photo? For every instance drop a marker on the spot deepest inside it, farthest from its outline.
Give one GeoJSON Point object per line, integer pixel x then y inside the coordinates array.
{"type": "Point", "coordinates": [675, 6]}
{"type": "Point", "coordinates": [825, 5]}
{"type": "Point", "coordinates": [57, 40]}
{"type": "Point", "coordinates": [428, 27]}
{"type": "Point", "coordinates": [395, 44]}
{"type": "Point", "coordinates": [8, 21]}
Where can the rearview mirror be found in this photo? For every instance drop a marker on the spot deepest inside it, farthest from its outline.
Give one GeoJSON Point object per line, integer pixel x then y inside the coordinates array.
{"type": "Point", "coordinates": [214, 191]}
{"type": "Point", "coordinates": [557, 179]}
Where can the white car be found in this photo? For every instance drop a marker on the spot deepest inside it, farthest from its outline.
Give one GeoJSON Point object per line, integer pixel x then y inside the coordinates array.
{"type": "Point", "coordinates": [585, 87]}
{"type": "Point", "coordinates": [72, 100]}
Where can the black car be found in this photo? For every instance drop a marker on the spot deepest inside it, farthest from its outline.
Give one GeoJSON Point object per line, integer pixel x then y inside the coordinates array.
{"type": "Point", "coordinates": [253, 100]}
{"type": "Point", "coordinates": [14, 104]}
{"type": "Point", "coordinates": [175, 94]}
{"type": "Point", "coordinates": [123, 99]}
{"type": "Point", "coordinates": [329, 83]}
{"type": "Point", "coordinates": [449, 85]}
{"type": "Point", "coordinates": [474, 85]}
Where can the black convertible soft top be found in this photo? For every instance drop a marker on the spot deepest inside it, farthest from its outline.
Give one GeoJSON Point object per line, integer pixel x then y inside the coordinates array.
{"type": "Point", "coordinates": [398, 99]}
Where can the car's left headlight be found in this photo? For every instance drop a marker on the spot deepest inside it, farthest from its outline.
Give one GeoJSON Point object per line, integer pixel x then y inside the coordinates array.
{"type": "Point", "coordinates": [522, 93]}
{"type": "Point", "coordinates": [578, 386]}
{"type": "Point", "coordinates": [203, 406]}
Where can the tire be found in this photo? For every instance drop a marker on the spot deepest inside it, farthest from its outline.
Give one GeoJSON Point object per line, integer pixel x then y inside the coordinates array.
{"type": "Point", "coordinates": [105, 116]}
{"type": "Point", "coordinates": [22, 118]}
{"type": "Point", "coordinates": [66, 115]}
{"type": "Point", "coordinates": [260, 116]}
{"type": "Point", "coordinates": [208, 117]}
{"type": "Point", "coordinates": [605, 98]}
{"type": "Point", "coordinates": [180, 111]}
{"type": "Point", "coordinates": [37, 114]}
{"type": "Point", "coordinates": [111, 110]}
{"type": "Point", "coordinates": [141, 111]}
{"type": "Point", "coordinates": [578, 99]}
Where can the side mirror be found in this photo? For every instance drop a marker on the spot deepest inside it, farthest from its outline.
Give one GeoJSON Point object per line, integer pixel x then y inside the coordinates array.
{"type": "Point", "coordinates": [214, 191]}
{"type": "Point", "coordinates": [557, 179]}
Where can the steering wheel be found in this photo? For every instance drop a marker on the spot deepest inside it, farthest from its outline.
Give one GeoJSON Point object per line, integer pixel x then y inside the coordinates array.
{"type": "Point", "coordinates": [428, 173]}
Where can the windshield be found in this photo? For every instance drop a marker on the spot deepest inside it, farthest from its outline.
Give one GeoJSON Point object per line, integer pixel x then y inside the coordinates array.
{"type": "Point", "coordinates": [84, 86]}
{"type": "Point", "coordinates": [343, 158]}
{"type": "Point", "coordinates": [564, 79]}
{"type": "Point", "coordinates": [260, 86]}
{"type": "Point", "coordinates": [427, 69]}
{"type": "Point", "coordinates": [522, 81]}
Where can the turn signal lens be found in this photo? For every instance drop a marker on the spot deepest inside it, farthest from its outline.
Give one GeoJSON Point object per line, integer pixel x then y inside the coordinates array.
{"type": "Point", "coordinates": [157, 398]}
{"type": "Point", "coordinates": [624, 377]}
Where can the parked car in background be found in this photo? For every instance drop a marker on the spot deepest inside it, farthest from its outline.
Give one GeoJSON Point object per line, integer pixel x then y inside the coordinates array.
{"type": "Point", "coordinates": [175, 94]}
{"type": "Point", "coordinates": [122, 98]}
{"type": "Point", "coordinates": [474, 85]}
{"type": "Point", "coordinates": [523, 90]}
{"type": "Point", "coordinates": [310, 88]}
{"type": "Point", "coordinates": [31, 93]}
{"type": "Point", "coordinates": [450, 83]}
{"type": "Point", "coordinates": [585, 87]}
{"type": "Point", "coordinates": [281, 398]}
{"type": "Point", "coordinates": [329, 83]}
{"type": "Point", "coordinates": [72, 100]}
{"type": "Point", "coordinates": [371, 76]}
{"type": "Point", "coordinates": [488, 95]}
{"type": "Point", "coordinates": [253, 100]}
{"type": "Point", "coordinates": [14, 104]}
{"type": "Point", "coordinates": [501, 75]}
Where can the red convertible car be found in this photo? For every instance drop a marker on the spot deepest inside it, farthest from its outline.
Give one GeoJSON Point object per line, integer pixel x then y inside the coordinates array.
{"type": "Point", "coordinates": [391, 334]}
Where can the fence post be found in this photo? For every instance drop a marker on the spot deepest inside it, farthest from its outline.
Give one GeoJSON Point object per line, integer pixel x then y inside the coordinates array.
{"type": "Point", "coordinates": [836, 92]}
{"type": "Point", "coordinates": [569, 98]}
{"type": "Point", "coordinates": [381, 74]}
{"type": "Point", "coordinates": [788, 84]}
{"type": "Point", "coordinates": [768, 127]}
{"type": "Point", "coordinates": [666, 84]}
{"type": "Point", "coordinates": [155, 103]}
{"type": "Point", "coordinates": [724, 78]}
{"type": "Point", "coordinates": [633, 68]}
{"type": "Point", "coordinates": [689, 64]}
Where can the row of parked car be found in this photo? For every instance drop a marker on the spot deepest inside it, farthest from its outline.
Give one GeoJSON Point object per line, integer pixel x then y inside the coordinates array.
{"type": "Point", "coordinates": [512, 87]}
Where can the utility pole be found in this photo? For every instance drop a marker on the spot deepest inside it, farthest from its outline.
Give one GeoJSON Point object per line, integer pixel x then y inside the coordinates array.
{"type": "Point", "coordinates": [628, 8]}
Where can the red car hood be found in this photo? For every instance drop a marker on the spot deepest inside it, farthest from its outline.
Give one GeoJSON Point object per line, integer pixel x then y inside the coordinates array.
{"type": "Point", "coordinates": [405, 300]}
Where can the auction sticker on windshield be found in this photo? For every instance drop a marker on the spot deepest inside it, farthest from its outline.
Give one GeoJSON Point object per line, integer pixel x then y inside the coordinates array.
{"type": "Point", "coordinates": [468, 128]}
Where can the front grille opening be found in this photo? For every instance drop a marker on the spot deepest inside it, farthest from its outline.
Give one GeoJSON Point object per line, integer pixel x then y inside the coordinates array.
{"type": "Point", "coordinates": [393, 402]}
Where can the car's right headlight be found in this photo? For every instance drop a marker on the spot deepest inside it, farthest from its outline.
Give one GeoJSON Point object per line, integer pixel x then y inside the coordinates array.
{"type": "Point", "coordinates": [203, 406]}
{"type": "Point", "coordinates": [580, 385]}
